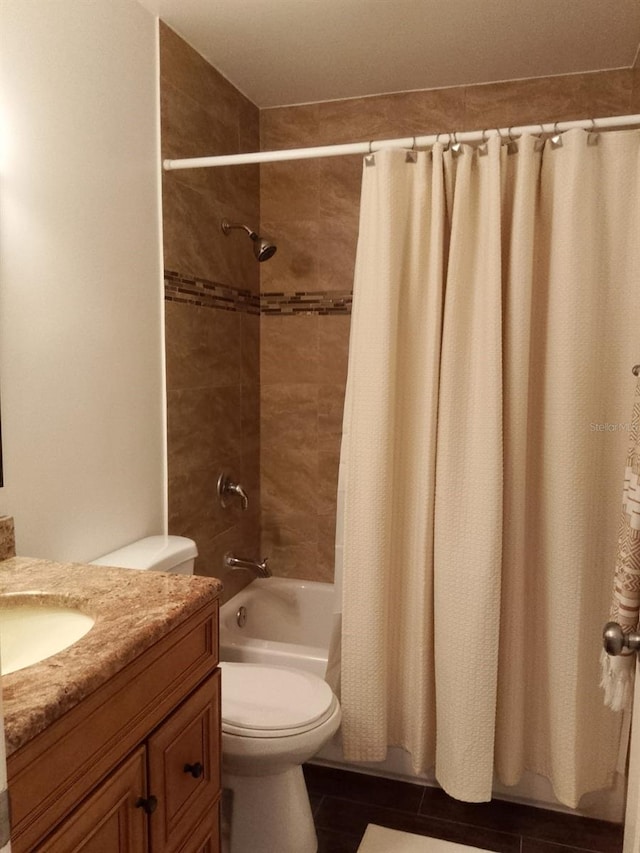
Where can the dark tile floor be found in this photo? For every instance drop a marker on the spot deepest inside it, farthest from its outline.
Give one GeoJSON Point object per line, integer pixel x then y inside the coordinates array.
{"type": "Point", "coordinates": [344, 803]}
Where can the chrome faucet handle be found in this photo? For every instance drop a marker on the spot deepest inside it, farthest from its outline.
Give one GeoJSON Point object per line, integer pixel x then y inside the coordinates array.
{"type": "Point", "coordinates": [226, 489]}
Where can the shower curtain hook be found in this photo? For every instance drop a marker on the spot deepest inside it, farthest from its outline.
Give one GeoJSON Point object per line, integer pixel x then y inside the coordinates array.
{"type": "Point", "coordinates": [456, 147]}
{"type": "Point", "coordinates": [483, 148]}
{"type": "Point", "coordinates": [538, 145]}
{"type": "Point", "coordinates": [592, 135]}
{"type": "Point", "coordinates": [370, 159]}
{"type": "Point", "coordinates": [412, 155]}
{"type": "Point", "coordinates": [556, 139]}
{"type": "Point", "coordinates": [512, 144]}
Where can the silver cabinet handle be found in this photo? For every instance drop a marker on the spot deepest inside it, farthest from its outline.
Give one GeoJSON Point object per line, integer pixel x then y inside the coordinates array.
{"type": "Point", "coordinates": [615, 640]}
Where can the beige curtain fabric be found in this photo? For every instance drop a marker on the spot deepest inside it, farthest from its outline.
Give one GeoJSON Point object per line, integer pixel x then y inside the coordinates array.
{"type": "Point", "coordinates": [496, 317]}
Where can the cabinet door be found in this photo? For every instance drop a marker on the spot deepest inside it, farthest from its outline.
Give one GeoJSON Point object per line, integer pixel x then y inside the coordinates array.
{"type": "Point", "coordinates": [108, 820]}
{"type": "Point", "coordinates": [184, 768]}
{"type": "Point", "coordinates": [206, 838]}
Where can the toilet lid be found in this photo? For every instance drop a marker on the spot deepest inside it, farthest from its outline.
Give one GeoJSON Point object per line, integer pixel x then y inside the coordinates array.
{"type": "Point", "coordinates": [267, 701]}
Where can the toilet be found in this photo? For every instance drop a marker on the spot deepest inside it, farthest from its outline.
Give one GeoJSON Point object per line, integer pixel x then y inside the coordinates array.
{"type": "Point", "coordinates": [273, 720]}
{"type": "Point", "coordinates": [173, 554]}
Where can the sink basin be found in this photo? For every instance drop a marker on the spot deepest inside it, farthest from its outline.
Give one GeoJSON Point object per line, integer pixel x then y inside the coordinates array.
{"type": "Point", "coordinates": [34, 626]}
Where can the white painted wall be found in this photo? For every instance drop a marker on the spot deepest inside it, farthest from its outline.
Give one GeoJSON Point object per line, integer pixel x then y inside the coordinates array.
{"type": "Point", "coordinates": [81, 340]}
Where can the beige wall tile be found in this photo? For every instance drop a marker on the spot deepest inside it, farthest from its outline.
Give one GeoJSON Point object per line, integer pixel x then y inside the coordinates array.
{"type": "Point", "coordinates": [204, 425]}
{"type": "Point", "coordinates": [326, 548]}
{"type": "Point", "coordinates": [294, 267]}
{"type": "Point", "coordinates": [185, 69]}
{"type": "Point", "coordinates": [289, 416]}
{"type": "Point", "coordinates": [634, 104]}
{"type": "Point", "coordinates": [289, 191]}
{"type": "Point", "coordinates": [427, 111]}
{"type": "Point", "coordinates": [288, 481]}
{"type": "Point", "coordinates": [333, 349]}
{"type": "Point", "coordinates": [289, 349]}
{"type": "Point", "coordinates": [330, 412]}
{"type": "Point", "coordinates": [203, 347]}
{"type": "Point", "coordinates": [284, 127]}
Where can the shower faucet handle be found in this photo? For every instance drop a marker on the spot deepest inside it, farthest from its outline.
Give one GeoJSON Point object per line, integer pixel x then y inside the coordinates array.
{"type": "Point", "coordinates": [227, 489]}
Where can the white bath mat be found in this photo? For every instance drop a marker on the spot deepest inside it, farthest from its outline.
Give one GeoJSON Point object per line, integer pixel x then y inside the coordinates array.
{"type": "Point", "coordinates": [379, 839]}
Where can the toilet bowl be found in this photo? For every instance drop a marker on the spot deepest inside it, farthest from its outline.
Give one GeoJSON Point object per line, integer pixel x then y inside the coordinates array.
{"type": "Point", "coordinates": [273, 720]}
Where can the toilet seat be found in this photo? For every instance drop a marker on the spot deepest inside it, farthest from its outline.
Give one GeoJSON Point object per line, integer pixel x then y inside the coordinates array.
{"type": "Point", "coordinates": [270, 701]}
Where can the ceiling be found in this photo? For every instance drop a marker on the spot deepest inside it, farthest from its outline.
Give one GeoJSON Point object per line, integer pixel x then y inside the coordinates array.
{"type": "Point", "coordinates": [282, 52]}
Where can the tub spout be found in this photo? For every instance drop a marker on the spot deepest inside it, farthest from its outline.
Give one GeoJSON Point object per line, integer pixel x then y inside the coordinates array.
{"type": "Point", "coordinates": [260, 568]}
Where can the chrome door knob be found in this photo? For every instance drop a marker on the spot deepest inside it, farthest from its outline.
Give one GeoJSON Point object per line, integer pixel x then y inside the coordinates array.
{"type": "Point", "coordinates": [615, 640]}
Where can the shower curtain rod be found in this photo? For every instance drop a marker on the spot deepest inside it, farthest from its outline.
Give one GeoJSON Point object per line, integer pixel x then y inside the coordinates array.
{"type": "Point", "coordinates": [610, 123]}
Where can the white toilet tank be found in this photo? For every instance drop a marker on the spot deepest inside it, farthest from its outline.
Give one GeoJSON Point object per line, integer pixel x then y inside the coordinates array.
{"type": "Point", "coordinates": [174, 554]}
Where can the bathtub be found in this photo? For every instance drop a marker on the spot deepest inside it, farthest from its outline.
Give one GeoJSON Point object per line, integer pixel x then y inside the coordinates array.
{"type": "Point", "coordinates": [287, 622]}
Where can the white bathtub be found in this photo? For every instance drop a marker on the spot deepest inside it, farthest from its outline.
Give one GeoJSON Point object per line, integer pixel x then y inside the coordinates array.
{"type": "Point", "coordinates": [288, 623]}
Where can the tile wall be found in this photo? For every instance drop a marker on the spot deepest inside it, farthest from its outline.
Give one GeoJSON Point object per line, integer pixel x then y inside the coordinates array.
{"type": "Point", "coordinates": [311, 208]}
{"type": "Point", "coordinates": [211, 309]}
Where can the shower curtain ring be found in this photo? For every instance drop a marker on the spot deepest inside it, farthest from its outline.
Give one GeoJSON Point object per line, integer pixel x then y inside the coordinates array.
{"type": "Point", "coordinates": [483, 148]}
{"type": "Point", "coordinates": [512, 144]}
{"type": "Point", "coordinates": [592, 135]}
{"type": "Point", "coordinates": [556, 139]}
{"type": "Point", "coordinates": [369, 159]}
{"type": "Point", "coordinates": [456, 147]}
{"type": "Point", "coordinates": [538, 145]}
{"type": "Point", "coordinates": [412, 154]}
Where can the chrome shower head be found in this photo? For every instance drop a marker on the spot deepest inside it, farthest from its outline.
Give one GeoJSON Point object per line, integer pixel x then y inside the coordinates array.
{"type": "Point", "coordinates": [263, 247]}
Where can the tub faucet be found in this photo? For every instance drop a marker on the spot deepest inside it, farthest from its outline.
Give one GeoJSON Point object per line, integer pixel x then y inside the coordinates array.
{"type": "Point", "coordinates": [260, 568]}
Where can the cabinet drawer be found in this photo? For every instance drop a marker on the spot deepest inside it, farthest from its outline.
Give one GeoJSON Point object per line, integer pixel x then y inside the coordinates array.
{"type": "Point", "coordinates": [184, 767]}
{"type": "Point", "coordinates": [108, 820]}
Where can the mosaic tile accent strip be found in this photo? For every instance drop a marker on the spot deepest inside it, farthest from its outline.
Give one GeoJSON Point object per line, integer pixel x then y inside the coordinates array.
{"type": "Point", "coordinates": [307, 302]}
{"type": "Point", "coordinates": [210, 294]}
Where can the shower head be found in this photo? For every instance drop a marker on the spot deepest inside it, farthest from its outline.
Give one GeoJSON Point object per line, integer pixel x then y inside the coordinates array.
{"type": "Point", "coordinates": [263, 247]}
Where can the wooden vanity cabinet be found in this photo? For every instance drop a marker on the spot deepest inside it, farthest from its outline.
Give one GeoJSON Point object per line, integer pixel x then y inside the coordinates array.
{"type": "Point", "coordinates": [135, 767]}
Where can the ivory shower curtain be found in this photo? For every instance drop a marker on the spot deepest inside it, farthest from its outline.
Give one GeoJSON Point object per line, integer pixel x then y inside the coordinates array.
{"type": "Point", "coordinates": [496, 318]}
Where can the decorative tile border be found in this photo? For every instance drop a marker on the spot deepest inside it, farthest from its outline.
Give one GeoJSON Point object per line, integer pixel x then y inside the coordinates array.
{"type": "Point", "coordinates": [210, 294]}
{"type": "Point", "coordinates": [307, 302]}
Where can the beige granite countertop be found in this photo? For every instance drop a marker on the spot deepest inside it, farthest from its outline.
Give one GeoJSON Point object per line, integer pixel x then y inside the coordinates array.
{"type": "Point", "coordinates": [132, 610]}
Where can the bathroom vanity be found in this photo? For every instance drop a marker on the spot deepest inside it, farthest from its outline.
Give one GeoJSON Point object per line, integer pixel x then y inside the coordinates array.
{"type": "Point", "coordinates": [114, 744]}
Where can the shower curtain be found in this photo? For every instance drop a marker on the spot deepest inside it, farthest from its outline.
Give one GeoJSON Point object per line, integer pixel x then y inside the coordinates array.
{"type": "Point", "coordinates": [496, 318]}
